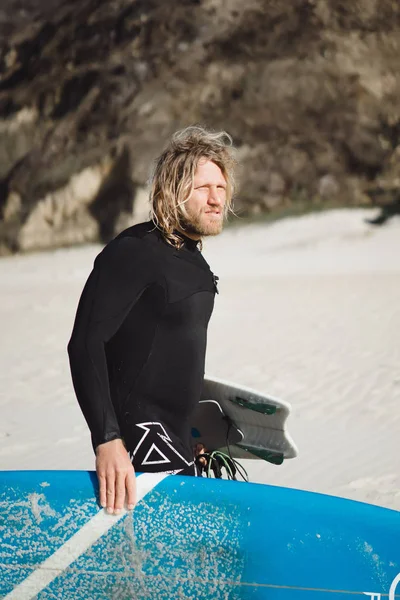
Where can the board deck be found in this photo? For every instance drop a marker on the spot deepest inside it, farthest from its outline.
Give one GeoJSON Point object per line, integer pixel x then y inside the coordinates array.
{"type": "Point", "coordinates": [192, 538]}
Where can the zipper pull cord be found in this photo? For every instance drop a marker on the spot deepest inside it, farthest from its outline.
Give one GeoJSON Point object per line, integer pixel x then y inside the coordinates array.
{"type": "Point", "coordinates": [215, 280]}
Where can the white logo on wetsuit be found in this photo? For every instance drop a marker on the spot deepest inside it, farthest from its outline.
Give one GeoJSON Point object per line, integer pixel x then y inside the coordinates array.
{"type": "Point", "coordinates": [154, 455]}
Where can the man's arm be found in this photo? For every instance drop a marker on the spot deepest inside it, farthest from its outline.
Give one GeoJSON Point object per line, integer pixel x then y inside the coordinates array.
{"type": "Point", "coordinates": [120, 275]}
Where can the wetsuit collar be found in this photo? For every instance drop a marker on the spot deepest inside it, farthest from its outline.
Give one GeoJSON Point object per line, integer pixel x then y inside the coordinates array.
{"type": "Point", "coordinates": [188, 242]}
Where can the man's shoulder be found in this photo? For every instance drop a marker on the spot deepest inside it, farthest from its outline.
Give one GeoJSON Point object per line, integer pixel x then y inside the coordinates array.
{"type": "Point", "coordinates": [134, 237]}
{"type": "Point", "coordinates": [133, 242]}
{"type": "Point", "coordinates": [140, 231]}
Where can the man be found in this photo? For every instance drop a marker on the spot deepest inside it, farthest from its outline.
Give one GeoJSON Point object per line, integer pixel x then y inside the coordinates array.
{"type": "Point", "coordinates": [137, 349]}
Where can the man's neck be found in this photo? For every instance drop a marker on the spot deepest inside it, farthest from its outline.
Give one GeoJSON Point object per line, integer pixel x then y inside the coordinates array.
{"type": "Point", "coordinates": [193, 236]}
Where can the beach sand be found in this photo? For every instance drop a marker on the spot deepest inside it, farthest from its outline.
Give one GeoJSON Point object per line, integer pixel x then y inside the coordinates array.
{"type": "Point", "coordinates": [308, 310]}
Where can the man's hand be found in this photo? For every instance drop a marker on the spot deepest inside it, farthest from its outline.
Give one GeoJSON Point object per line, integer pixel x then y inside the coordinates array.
{"type": "Point", "coordinates": [116, 476]}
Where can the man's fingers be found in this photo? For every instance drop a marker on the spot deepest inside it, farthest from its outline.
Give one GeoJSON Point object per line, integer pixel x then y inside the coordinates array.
{"type": "Point", "coordinates": [110, 493]}
{"type": "Point", "coordinates": [116, 476]}
{"type": "Point", "coordinates": [131, 489]}
{"type": "Point", "coordinates": [102, 490]}
{"type": "Point", "coordinates": [119, 491]}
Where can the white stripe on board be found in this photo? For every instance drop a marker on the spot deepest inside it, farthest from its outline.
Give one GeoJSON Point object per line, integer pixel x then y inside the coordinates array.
{"type": "Point", "coordinates": [78, 544]}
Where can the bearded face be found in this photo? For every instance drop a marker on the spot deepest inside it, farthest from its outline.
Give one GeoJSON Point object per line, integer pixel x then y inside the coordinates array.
{"type": "Point", "coordinates": [205, 207]}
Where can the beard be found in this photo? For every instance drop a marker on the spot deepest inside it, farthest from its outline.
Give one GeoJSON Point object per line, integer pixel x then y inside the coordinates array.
{"type": "Point", "coordinates": [203, 224]}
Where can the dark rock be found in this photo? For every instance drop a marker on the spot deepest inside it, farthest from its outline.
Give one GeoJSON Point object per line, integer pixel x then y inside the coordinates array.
{"type": "Point", "coordinates": [91, 90]}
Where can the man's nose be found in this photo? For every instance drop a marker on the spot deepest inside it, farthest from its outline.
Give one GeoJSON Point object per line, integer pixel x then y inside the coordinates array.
{"type": "Point", "coordinates": [214, 197]}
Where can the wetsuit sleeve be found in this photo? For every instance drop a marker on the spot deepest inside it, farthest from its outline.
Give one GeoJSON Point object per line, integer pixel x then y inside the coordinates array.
{"type": "Point", "coordinates": [121, 273]}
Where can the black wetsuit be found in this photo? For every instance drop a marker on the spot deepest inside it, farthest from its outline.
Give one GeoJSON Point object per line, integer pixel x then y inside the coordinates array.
{"type": "Point", "coordinates": [137, 349]}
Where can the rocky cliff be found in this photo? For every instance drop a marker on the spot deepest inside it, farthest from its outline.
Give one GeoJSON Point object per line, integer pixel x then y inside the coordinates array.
{"type": "Point", "coordinates": [91, 90]}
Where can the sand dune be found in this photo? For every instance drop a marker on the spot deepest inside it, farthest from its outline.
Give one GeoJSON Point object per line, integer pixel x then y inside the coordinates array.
{"type": "Point", "coordinates": [309, 310]}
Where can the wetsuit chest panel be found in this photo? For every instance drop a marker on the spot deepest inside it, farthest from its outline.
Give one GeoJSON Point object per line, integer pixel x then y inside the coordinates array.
{"type": "Point", "coordinates": [187, 317]}
{"type": "Point", "coordinates": [186, 278]}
